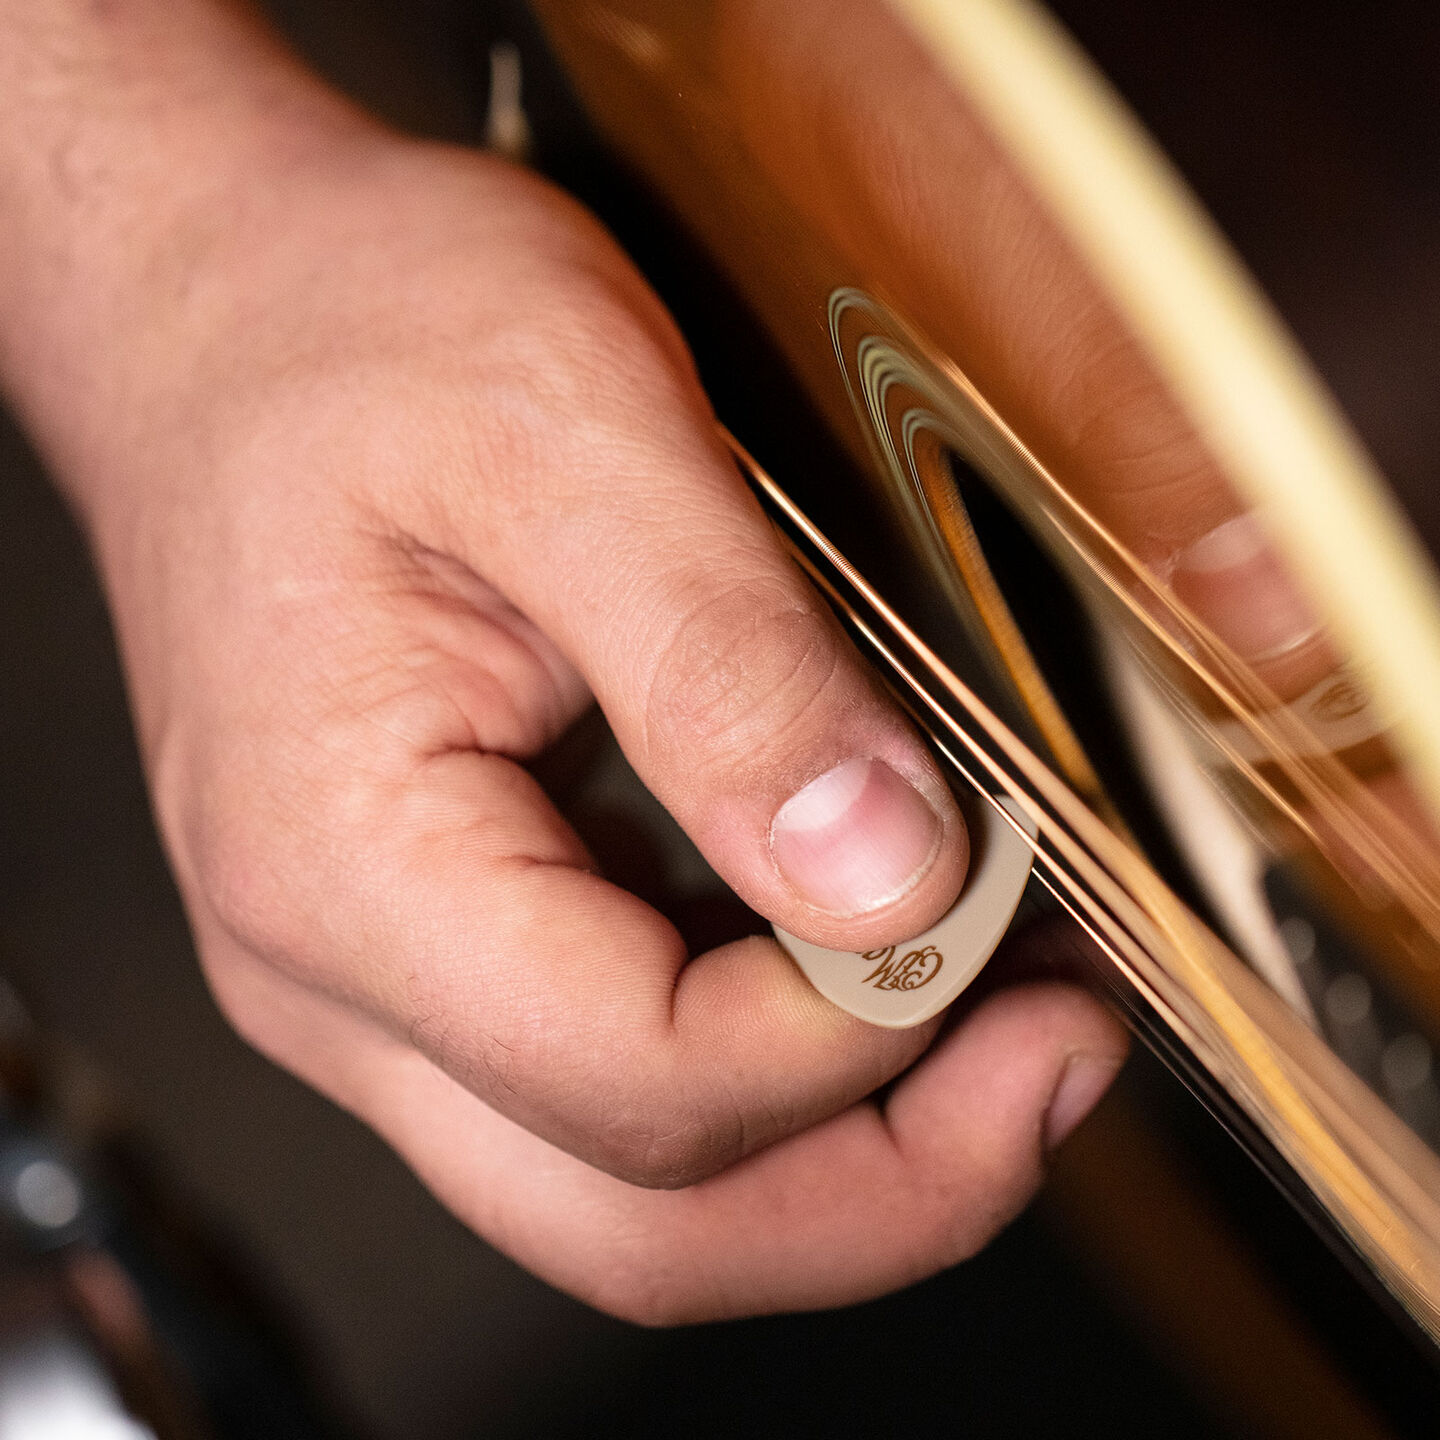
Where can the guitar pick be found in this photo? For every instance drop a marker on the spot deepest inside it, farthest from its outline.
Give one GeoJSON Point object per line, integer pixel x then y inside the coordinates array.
{"type": "Point", "coordinates": [898, 986]}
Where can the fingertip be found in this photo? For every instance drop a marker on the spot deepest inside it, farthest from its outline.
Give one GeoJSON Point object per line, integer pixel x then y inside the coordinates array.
{"type": "Point", "coordinates": [1011, 1082]}
{"type": "Point", "coordinates": [872, 851]}
{"type": "Point", "coordinates": [855, 839]}
{"type": "Point", "coordinates": [1082, 1084]}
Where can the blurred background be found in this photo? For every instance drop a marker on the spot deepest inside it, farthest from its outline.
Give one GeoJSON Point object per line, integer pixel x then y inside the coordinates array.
{"type": "Point", "coordinates": [300, 1277]}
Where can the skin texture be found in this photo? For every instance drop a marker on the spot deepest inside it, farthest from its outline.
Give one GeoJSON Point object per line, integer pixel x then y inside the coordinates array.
{"type": "Point", "coordinates": [391, 463]}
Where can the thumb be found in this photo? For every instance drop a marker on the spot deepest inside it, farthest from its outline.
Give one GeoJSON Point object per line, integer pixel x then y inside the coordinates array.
{"type": "Point", "coordinates": [736, 696]}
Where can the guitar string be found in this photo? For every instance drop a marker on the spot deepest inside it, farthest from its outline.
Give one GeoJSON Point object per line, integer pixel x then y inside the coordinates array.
{"type": "Point", "coordinates": [1233, 1025]}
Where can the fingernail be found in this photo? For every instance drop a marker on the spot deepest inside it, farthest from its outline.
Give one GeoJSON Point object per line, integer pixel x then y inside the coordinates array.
{"type": "Point", "coordinates": [1233, 581]}
{"type": "Point", "coordinates": [1083, 1081]}
{"type": "Point", "coordinates": [855, 839]}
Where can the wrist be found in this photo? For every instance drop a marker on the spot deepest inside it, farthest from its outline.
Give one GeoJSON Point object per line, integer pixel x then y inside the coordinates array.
{"type": "Point", "coordinates": [137, 150]}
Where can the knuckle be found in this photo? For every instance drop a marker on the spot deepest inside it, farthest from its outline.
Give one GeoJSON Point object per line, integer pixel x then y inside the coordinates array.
{"type": "Point", "coordinates": [744, 670]}
{"type": "Point", "coordinates": [270, 878]}
{"type": "Point", "coordinates": [668, 1149]}
{"type": "Point", "coordinates": [563, 410]}
{"type": "Point", "coordinates": [588, 350]}
{"type": "Point", "coordinates": [609, 318]}
{"type": "Point", "coordinates": [664, 1162]}
{"type": "Point", "coordinates": [245, 893]}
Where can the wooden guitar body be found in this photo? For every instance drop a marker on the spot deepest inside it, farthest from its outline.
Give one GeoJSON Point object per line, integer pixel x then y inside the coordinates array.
{"type": "Point", "coordinates": [1146, 582]}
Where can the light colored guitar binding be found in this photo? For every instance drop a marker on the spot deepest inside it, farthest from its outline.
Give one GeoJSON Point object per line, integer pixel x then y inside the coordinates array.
{"type": "Point", "coordinates": [899, 986]}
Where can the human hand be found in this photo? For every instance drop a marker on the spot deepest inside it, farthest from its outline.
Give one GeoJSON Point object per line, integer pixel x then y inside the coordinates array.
{"type": "Point", "coordinates": [397, 465]}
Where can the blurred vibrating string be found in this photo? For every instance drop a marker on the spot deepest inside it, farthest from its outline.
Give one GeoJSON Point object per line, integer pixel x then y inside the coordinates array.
{"type": "Point", "coordinates": [1257, 406]}
{"type": "Point", "coordinates": [1372, 1177]}
{"type": "Point", "coordinates": [1252, 396]}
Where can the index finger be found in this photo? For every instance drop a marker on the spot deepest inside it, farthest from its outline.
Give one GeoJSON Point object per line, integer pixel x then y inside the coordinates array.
{"type": "Point", "coordinates": [880, 1196]}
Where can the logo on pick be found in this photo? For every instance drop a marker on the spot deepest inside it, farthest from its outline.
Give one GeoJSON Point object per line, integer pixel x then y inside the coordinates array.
{"type": "Point", "coordinates": [894, 971]}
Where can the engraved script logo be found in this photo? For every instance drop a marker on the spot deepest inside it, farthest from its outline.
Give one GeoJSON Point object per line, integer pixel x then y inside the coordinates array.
{"type": "Point", "coordinates": [909, 971]}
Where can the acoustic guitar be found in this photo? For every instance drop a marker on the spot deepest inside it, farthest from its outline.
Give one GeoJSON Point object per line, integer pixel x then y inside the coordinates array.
{"type": "Point", "coordinates": [1047, 449]}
